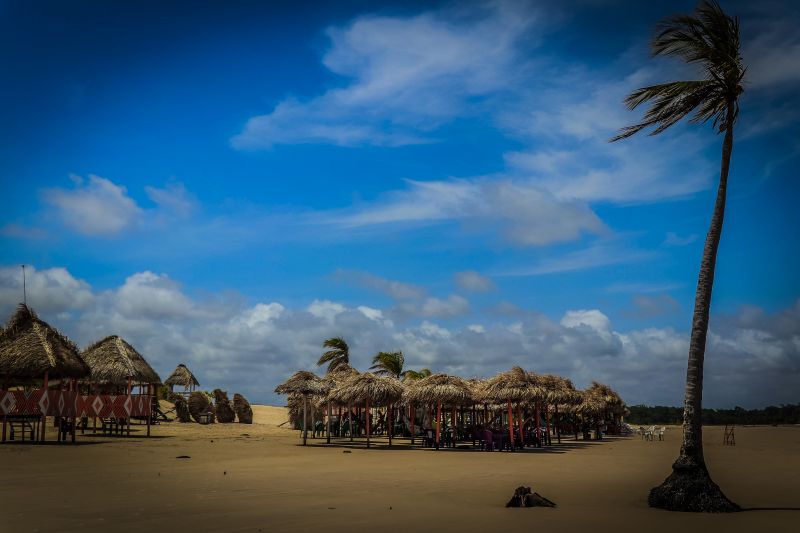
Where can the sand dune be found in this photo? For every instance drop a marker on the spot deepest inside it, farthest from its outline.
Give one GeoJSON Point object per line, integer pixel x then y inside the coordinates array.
{"type": "Point", "coordinates": [257, 478]}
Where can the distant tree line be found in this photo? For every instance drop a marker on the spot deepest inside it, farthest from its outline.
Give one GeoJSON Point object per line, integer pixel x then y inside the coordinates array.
{"type": "Point", "coordinates": [661, 414]}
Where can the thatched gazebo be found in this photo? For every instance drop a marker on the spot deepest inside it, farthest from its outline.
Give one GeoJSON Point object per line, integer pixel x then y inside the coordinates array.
{"type": "Point", "coordinates": [560, 393]}
{"type": "Point", "coordinates": [182, 377]}
{"type": "Point", "coordinates": [333, 379]}
{"type": "Point", "coordinates": [33, 352]}
{"type": "Point", "coordinates": [600, 400]}
{"type": "Point", "coordinates": [515, 386]}
{"type": "Point", "coordinates": [368, 388]}
{"type": "Point", "coordinates": [303, 383]}
{"type": "Point", "coordinates": [115, 363]}
{"type": "Point", "coordinates": [438, 389]}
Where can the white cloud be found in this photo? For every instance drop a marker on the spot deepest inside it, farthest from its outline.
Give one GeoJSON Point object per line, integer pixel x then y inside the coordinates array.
{"type": "Point", "coordinates": [395, 289]}
{"type": "Point", "coordinates": [523, 213]}
{"type": "Point", "coordinates": [470, 280]}
{"type": "Point", "coordinates": [673, 239]}
{"type": "Point", "coordinates": [408, 75]}
{"type": "Point", "coordinates": [599, 254]}
{"type": "Point", "coordinates": [173, 198]}
{"type": "Point", "coordinates": [94, 207]}
{"type": "Point", "coordinates": [752, 358]}
{"type": "Point", "coordinates": [51, 290]}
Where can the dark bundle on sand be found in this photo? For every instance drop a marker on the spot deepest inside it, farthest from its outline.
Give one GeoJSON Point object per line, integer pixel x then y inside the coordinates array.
{"type": "Point", "coordinates": [181, 407]}
{"type": "Point", "coordinates": [199, 404]}
{"type": "Point", "coordinates": [243, 410]}
{"type": "Point", "coordinates": [523, 497]}
{"type": "Point", "coordinates": [223, 408]}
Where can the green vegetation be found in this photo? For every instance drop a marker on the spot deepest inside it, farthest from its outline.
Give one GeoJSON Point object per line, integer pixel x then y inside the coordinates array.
{"type": "Point", "coordinates": [660, 414]}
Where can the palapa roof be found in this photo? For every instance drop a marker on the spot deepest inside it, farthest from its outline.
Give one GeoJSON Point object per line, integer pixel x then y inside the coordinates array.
{"type": "Point", "coordinates": [516, 385]}
{"type": "Point", "coordinates": [182, 376]}
{"type": "Point", "coordinates": [450, 390]}
{"type": "Point", "coordinates": [29, 347]}
{"type": "Point", "coordinates": [302, 382]}
{"type": "Point", "coordinates": [367, 386]}
{"type": "Point", "coordinates": [599, 397]}
{"type": "Point", "coordinates": [560, 390]}
{"type": "Point", "coordinates": [112, 361]}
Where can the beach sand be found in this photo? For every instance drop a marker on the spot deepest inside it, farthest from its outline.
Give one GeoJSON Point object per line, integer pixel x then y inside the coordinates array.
{"type": "Point", "coordinates": [257, 478]}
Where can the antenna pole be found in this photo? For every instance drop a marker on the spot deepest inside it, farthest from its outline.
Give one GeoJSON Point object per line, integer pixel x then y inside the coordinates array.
{"type": "Point", "coordinates": [24, 287]}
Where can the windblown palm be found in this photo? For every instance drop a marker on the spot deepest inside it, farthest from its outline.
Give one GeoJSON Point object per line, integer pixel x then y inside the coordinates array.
{"type": "Point", "coordinates": [709, 39]}
{"type": "Point", "coordinates": [415, 375]}
{"type": "Point", "coordinates": [337, 355]}
{"type": "Point", "coordinates": [388, 364]}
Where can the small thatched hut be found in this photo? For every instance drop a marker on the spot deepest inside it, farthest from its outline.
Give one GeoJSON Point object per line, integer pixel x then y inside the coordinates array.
{"type": "Point", "coordinates": [243, 410]}
{"type": "Point", "coordinates": [368, 388]}
{"type": "Point", "coordinates": [515, 386]}
{"type": "Point", "coordinates": [303, 383]}
{"type": "Point", "coordinates": [182, 377]}
{"type": "Point", "coordinates": [223, 407]}
{"type": "Point", "coordinates": [438, 390]}
{"type": "Point", "coordinates": [333, 379]}
{"type": "Point", "coordinates": [116, 363]}
{"type": "Point", "coordinates": [32, 351]}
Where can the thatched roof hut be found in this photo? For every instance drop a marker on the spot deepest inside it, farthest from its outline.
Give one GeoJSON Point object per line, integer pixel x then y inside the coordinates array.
{"type": "Point", "coordinates": [113, 361]}
{"type": "Point", "coordinates": [303, 383]}
{"type": "Point", "coordinates": [364, 387]}
{"type": "Point", "coordinates": [449, 390]}
{"type": "Point", "coordinates": [600, 398]}
{"type": "Point", "coordinates": [183, 377]}
{"type": "Point", "coordinates": [516, 386]}
{"type": "Point", "coordinates": [371, 390]}
{"type": "Point", "coordinates": [29, 348]}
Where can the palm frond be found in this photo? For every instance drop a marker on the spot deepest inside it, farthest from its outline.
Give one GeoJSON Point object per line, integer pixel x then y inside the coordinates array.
{"type": "Point", "coordinates": [338, 355]}
{"type": "Point", "coordinates": [388, 363]}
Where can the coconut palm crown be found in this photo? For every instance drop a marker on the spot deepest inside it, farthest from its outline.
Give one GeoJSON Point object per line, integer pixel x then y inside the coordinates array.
{"type": "Point", "coordinates": [337, 355]}
{"type": "Point", "coordinates": [388, 364]}
{"type": "Point", "coordinates": [708, 39]}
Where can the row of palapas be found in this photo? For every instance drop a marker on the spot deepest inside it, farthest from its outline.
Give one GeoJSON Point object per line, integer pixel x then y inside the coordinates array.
{"type": "Point", "coordinates": [346, 387]}
{"type": "Point", "coordinates": [32, 352]}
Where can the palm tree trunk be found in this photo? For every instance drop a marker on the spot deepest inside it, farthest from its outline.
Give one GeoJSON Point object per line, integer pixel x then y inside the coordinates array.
{"type": "Point", "coordinates": [689, 487]}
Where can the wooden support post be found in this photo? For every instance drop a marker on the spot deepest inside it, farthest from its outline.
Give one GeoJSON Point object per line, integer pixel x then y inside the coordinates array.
{"type": "Point", "coordinates": [350, 418]}
{"type": "Point", "coordinates": [389, 420]}
{"type": "Point", "coordinates": [538, 425]}
{"type": "Point", "coordinates": [328, 424]}
{"type": "Point", "coordinates": [556, 424]}
{"type": "Point", "coordinates": [44, 414]}
{"type": "Point", "coordinates": [149, 412]}
{"type": "Point", "coordinates": [547, 422]}
{"type": "Point", "coordinates": [511, 425]}
{"type": "Point", "coordinates": [305, 424]}
{"type": "Point", "coordinates": [366, 412]}
{"type": "Point", "coordinates": [438, 423]}
{"type": "Point", "coordinates": [411, 410]}
{"type": "Point", "coordinates": [130, 391]}
{"type": "Point", "coordinates": [520, 423]}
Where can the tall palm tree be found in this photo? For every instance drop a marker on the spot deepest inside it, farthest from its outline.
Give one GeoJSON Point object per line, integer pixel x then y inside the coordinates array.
{"type": "Point", "coordinates": [388, 363]}
{"type": "Point", "coordinates": [414, 375]}
{"type": "Point", "coordinates": [709, 39]}
{"type": "Point", "coordinates": [337, 355]}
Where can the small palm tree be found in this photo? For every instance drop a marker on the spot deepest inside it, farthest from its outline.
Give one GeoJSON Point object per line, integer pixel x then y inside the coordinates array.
{"type": "Point", "coordinates": [709, 39]}
{"type": "Point", "coordinates": [414, 375]}
{"type": "Point", "coordinates": [337, 355]}
{"type": "Point", "coordinates": [388, 363]}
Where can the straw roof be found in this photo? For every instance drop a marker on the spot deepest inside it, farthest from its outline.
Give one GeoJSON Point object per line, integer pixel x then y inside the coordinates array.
{"type": "Point", "coordinates": [516, 385]}
{"type": "Point", "coordinates": [560, 390]}
{"type": "Point", "coordinates": [113, 361]}
{"type": "Point", "coordinates": [302, 382]}
{"type": "Point", "coordinates": [450, 390]}
{"type": "Point", "coordinates": [599, 397]}
{"type": "Point", "coordinates": [362, 387]}
{"type": "Point", "coordinates": [29, 347]}
{"type": "Point", "coordinates": [182, 376]}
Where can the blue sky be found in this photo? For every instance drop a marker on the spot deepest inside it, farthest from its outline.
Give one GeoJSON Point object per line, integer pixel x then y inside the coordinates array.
{"type": "Point", "coordinates": [228, 185]}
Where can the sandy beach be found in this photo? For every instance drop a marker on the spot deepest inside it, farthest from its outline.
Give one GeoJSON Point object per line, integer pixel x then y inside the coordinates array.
{"type": "Point", "coordinates": [257, 478]}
